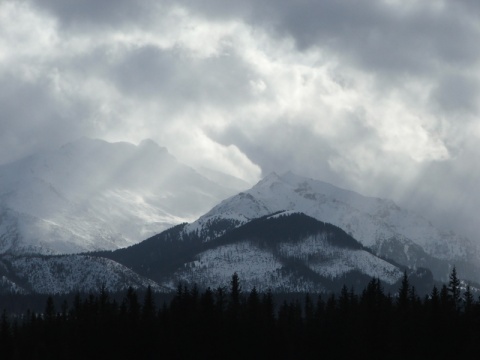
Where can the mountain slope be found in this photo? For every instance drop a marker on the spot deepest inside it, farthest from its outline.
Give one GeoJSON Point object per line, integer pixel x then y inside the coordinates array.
{"type": "Point", "coordinates": [378, 224]}
{"type": "Point", "coordinates": [283, 252]}
{"type": "Point", "coordinates": [286, 252]}
{"type": "Point", "coordinates": [93, 195]}
{"type": "Point", "coordinates": [291, 252]}
{"type": "Point", "coordinates": [68, 273]}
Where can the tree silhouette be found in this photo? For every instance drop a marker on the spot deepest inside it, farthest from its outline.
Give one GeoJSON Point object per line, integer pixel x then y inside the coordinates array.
{"type": "Point", "coordinates": [403, 294]}
{"type": "Point", "coordinates": [235, 291]}
{"type": "Point", "coordinates": [454, 288]}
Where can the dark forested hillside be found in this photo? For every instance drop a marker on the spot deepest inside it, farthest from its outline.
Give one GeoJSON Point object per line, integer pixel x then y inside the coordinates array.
{"type": "Point", "coordinates": [171, 255]}
{"type": "Point", "coordinates": [229, 323]}
{"type": "Point", "coordinates": [159, 255]}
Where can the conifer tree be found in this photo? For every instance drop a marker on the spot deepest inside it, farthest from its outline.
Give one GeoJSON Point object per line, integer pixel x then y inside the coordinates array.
{"type": "Point", "coordinates": [403, 293]}
{"type": "Point", "coordinates": [148, 308]}
{"type": "Point", "coordinates": [220, 301]}
{"type": "Point", "coordinates": [207, 303]}
{"type": "Point", "coordinates": [468, 297]}
{"type": "Point", "coordinates": [235, 291]}
{"type": "Point", "coordinates": [445, 301]}
{"type": "Point", "coordinates": [320, 309]}
{"type": "Point", "coordinates": [132, 304]}
{"type": "Point", "coordinates": [253, 305]}
{"type": "Point", "coordinates": [344, 300]}
{"type": "Point", "coordinates": [49, 309]}
{"type": "Point", "coordinates": [5, 335]}
{"type": "Point", "coordinates": [309, 308]}
{"type": "Point", "coordinates": [4, 326]}
{"type": "Point", "coordinates": [454, 288]}
{"type": "Point", "coordinates": [434, 300]}
{"type": "Point", "coordinates": [268, 308]}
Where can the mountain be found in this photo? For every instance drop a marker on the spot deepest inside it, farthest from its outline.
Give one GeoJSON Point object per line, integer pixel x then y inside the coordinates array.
{"type": "Point", "coordinates": [292, 253]}
{"type": "Point", "coordinates": [93, 195]}
{"type": "Point", "coordinates": [378, 224]}
{"type": "Point", "coordinates": [287, 233]}
{"type": "Point", "coordinates": [67, 274]}
{"type": "Point", "coordinates": [286, 252]}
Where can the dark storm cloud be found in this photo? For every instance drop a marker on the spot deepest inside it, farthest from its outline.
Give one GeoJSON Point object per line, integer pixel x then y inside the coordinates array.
{"type": "Point", "coordinates": [89, 15]}
{"type": "Point", "coordinates": [375, 33]}
{"type": "Point", "coordinates": [392, 42]}
{"type": "Point", "coordinates": [174, 78]}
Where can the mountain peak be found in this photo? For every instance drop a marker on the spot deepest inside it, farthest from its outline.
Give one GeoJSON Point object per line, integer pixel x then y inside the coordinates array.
{"type": "Point", "coordinates": [151, 145]}
{"type": "Point", "coordinates": [92, 194]}
{"type": "Point", "coordinates": [288, 177]}
{"type": "Point", "coordinates": [293, 179]}
{"type": "Point", "coordinates": [270, 178]}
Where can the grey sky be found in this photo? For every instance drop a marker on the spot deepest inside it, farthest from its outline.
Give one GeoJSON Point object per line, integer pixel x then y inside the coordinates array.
{"type": "Point", "coordinates": [381, 97]}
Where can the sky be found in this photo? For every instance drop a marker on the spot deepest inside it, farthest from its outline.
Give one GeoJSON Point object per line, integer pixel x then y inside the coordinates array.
{"type": "Point", "coordinates": [377, 96]}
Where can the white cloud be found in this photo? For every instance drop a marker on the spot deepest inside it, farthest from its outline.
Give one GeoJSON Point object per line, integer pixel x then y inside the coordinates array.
{"type": "Point", "coordinates": [378, 96]}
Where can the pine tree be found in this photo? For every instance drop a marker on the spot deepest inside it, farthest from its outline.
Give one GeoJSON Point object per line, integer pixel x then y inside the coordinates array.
{"type": "Point", "coordinates": [235, 291]}
{"type": "Point", "coordinates": [454, 288]}
{"type": "Point", "coordinates": [4, 325]}
{"type": "Point", "coordinates": [320, 309]}
{"type": "Point", "coordinates": [344, 300]}
{"type": "Point", "coordinates": [445, 300]}
{"type": "Point", "coordinates": [434, 300]}
{"type": "Point", "coordinates": [268, 308]}
{"type": "Point", "coordinates": [309, 309]}
{"type": "Point", "coordinates": [469, 300]}
{"type": "Point", "coordinates": [5, 335]}
{"type": "Point", "coordinates": [403, 292]}
{"type": "Point", "coordinates": [49, 309]}
{"type": "Point", "coordinates": [207, 304]}
{"type": "Point", "coordinates": [148, 308]}
{"type": "Point", "coordinates": [253, 305]}
{"type": "Point", "coordinates": [220, 301]}
{"type": "Point", "coordinates": [132, 304]}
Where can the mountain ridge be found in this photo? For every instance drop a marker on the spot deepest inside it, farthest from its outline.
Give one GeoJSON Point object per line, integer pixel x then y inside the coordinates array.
{"type": "Point", "coordinates": [285, 252]}
{"type": "Point", "coordinates": [379, 224]}
{"type": "Point", "coordinates": [91, 195]}
{"type": "Point", "coordinates": [247, 233]}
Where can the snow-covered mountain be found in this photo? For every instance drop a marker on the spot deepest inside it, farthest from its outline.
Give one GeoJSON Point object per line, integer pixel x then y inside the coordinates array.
{"type": "Point", "coordinates": [92, 195]}
{"type": "Point", "coordinates": [380, 225]}
{"type": "Point", "coordinates": [67, 274]}
{"type": "Point", "coordinates": [287, 233]}
{"type": "Point", "coordinates": [288, 252]}
{"type": "Point", "coordinates": [283, 253]}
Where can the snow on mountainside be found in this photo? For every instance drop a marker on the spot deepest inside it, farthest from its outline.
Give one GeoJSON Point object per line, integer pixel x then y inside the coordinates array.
{"type": "Point", "coordinates": [262, 269]}
{"type": "Point", "coordinates": [377, 223]}
{"type": "Point", "coordinates": [91, 195]}
{"type": "Point", "coordinates": [255, 266]}
{"type": "Point", "coordinates": [70, 273]}
{"type": "Point", "coordinates": [333, 262]}
{"type": "Point", "coordinates": [285, 253]}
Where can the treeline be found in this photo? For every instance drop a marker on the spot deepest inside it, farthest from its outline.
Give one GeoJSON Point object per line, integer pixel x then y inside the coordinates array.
{"type": "Point", "coordinates": [228, 323]}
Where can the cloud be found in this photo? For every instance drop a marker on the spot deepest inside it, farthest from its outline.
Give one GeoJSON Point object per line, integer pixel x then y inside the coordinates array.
{"type": "Point", "coordinates": [378, 96]}
{"type": "Point", "coordinates": [91, 15]}
{"type": "Point", "coordinates": [457, 95]}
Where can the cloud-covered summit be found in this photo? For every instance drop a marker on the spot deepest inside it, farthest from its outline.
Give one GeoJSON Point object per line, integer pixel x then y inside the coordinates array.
{"type": "Point", "coordinates": [377, 96]}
